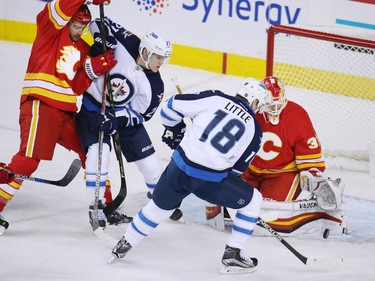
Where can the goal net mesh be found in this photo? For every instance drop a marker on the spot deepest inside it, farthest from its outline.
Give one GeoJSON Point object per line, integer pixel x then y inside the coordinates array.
{"type": "Point", "coordinates": [331, 73]}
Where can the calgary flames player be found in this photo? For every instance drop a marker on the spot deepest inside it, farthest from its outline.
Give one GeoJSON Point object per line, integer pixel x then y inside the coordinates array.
{"type": "Point", "coordinates": [290, 145]}
{"type": "Point", "coordinates": [58, 71]}
{"type": "Point", "coordinates": [290, 161]}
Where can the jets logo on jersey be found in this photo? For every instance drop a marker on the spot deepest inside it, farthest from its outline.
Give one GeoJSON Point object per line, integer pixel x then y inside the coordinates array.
{"type": "Point", "coordinates": [122, 89]}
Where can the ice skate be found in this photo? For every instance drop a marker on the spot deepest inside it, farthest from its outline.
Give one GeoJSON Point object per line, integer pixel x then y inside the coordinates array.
{"type": "Point", "coordinates": [101, 216]}
{"type": "Point", "coordinates": [120, 250]}
{"type": "Point", "coordinates": [235, 261]}
{"type": "Point", "coordinates": [118, 218]}
{"type": "Point", "coordinates": [3, 224]}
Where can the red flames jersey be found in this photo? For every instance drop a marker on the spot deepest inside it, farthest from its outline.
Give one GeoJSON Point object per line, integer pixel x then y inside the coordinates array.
{"type": "Point", "coordinates": [56, 62]}
{"type": "Point", "coordinates": [290, 146]}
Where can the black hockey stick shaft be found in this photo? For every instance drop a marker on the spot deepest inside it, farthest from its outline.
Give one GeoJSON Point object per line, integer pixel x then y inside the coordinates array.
{"type": "Point", "coordinates": [110, 208]}
{"type": "Point", "coordinates": [69, 176]}
{"type": "Point", "coordinates": [275, 234]}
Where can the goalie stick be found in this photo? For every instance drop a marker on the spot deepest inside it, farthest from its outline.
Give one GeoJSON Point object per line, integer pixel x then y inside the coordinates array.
{"type": "Point", "coordinates": [69, 176]}
{"type": "Point", "coordinates": [310, 262]}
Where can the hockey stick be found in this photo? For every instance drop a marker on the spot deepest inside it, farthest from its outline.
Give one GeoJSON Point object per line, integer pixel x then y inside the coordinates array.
{"type": "Point", "coordinates": [95, 219]}
{"type": "Point", "coordinates": [311, 262]}
{"type": "Point", "coordinates": [112, 207]}
{"type": "Point", "coordinates": [69, 176]}
{"type": "Point", "coordinates": [176, 84]}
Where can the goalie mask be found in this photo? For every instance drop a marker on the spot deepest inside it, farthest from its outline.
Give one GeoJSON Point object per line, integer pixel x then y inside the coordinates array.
{"type": "Point", "coordinates": [276, 91]}
{"type": "Point", "coordinates": [155, 42]}
{"type": "Point", "coordinates": [251, 90]}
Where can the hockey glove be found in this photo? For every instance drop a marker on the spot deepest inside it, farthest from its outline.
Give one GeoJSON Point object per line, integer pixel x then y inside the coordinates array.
{"type": "Point", "coordinates": [98, 2]}
{"type": "Point", "coordinates": [328, 192]}
{"type": "Point", "coordinates": [106, 123]}
{"type": "Point", "coordinates": [6, 175]}
{"type": "Point", "coordinates": [97, 48]}
{"type": "Point", "coordinates": [172, 136]}
{"type": "Point", "coordinates": [99, 65]}
{"type": "Point", "coordinates": [122, 121]}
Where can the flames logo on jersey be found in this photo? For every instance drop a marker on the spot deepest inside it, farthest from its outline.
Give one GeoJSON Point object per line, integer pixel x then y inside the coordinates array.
{"type": "Point", "coordinates": [153, 7]}
{"type": "Point", "coordinates": [65, 64]}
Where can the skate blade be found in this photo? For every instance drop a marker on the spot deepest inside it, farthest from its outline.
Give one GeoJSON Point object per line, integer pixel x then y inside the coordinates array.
{"type": "Point", "coordinates": [236, 269]}
{"type": "Point", "coordinates": [111, 260]}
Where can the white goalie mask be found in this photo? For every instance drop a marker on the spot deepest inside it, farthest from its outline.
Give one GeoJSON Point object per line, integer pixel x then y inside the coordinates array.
{"type": "Point", "coordinates": [155, 42]}
{"type": "Point", "coordinates": [253, 89]}
{"type": "Point", "coordinates": [276, 92]}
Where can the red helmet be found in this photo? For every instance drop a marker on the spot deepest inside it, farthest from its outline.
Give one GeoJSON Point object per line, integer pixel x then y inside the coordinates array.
{"type": "Point", "coordinates": [275, 89]}
{"type": "Point", "coordinates": [83, 15]}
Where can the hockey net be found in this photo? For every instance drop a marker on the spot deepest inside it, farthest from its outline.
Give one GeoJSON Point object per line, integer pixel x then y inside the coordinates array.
{"type": "Point", "coordinates": [332, 75]}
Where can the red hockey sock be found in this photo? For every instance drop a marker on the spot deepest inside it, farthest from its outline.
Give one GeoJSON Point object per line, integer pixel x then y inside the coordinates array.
{"type": "Point", "coordinates": [107, 192]}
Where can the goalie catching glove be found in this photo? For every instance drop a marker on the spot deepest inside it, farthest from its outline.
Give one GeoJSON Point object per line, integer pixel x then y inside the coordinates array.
{"type": "Point", "coordinates": [6, 175]}
{"type": "Point", "coordinates": [328, 192]}
{"type": "Point", "coordinates": [172, 136]}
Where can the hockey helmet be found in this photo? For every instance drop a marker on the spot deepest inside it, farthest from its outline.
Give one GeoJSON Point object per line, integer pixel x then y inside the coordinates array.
{"type": "Point", "coordinates": [276, 91]}
{"type": "Point", "coordinates": [83, 15]}
{"type": "Point", "coordinates": [155, 42]}
{"type": "Point", "coordinates": [252, 89]}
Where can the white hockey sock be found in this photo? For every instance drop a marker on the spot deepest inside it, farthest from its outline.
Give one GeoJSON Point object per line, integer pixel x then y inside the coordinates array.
{"type": "Point", "coordinates": [145, 221]}
{"type": "Point", "coordinates": [91, 168]}
{"type": "Point", "coordinates": [245, 222]}
{"type": "Point", "coordinates": [151, 169]}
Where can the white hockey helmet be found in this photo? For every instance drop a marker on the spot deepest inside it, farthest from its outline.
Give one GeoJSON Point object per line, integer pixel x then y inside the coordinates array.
{"type": "Point", "coordinates": [276, 91]}
{"type": "Point", "coordinates": [155, 42]}
{"type": "Point", "coordinates": [252, 89]}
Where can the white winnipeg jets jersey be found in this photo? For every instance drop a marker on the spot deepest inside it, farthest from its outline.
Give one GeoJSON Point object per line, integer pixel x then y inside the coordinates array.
{"type": "Point", "coordinates": [137, 92]}
{"type": "Point", "coordinates": [224, 135]}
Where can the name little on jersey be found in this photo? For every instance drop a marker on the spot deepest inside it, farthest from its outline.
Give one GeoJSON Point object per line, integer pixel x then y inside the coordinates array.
{"type": "Point", "coordinates": [235, 109]}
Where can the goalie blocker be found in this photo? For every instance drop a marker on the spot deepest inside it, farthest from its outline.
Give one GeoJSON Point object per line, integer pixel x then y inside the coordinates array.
{"type": "Point", "coordinates": [323, 212]}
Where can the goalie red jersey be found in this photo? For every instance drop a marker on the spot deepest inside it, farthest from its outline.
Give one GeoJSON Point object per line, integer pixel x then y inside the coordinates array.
{"type": "Point", "coordinates": [55, 60]}
{"type": "Point", "coordinates": [289, 146]}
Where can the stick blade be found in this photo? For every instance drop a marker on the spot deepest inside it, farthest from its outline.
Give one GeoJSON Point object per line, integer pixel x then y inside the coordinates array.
{"type": "Point", "coordinates": [105, 237]}
{"type": "Point", "coordinates": [71, 173]}
{"type": "Point", "coordinates": [317, 263]}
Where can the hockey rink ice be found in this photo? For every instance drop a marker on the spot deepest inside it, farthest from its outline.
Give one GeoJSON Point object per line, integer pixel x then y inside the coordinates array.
{"type": "Point", "coordinates": [50, 238]}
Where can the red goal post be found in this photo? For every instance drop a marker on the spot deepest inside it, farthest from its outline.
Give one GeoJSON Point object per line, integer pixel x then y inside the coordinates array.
{"type": "Point", "coordinates": [331, 73]}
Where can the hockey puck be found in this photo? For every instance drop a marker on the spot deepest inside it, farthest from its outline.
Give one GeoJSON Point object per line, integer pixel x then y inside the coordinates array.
{"type": "Point", "coordinates": [326, 233]}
